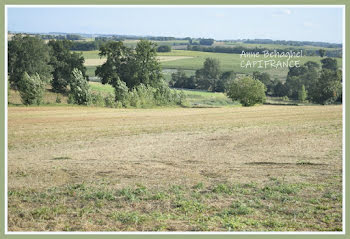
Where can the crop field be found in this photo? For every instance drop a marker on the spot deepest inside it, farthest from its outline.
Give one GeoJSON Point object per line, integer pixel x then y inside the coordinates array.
{"type": "Point", "coordinates": [193, 60]}
{"type": "Point", "coordinates": [264, 168]}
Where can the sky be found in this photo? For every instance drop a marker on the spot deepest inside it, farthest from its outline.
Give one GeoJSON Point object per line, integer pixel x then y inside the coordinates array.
{"type": "Point", "coordinates": [220, 23]}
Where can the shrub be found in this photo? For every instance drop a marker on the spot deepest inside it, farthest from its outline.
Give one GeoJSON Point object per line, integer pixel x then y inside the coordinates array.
{"type": "Point", "coordinates": [109, 101]}
{"type": "Point", "coordinates": [58, 99]}
{"type": "Point", "coordinates": [247, 90]}
{"type": "Point", "coordinates": [164, 48]}
{"type": "Point", "coordinates": [121, 92]}
{"type": "Point", "coordinates": [31, 89]}
{"type": "Point", "coordinates": [80, 89]}
{"type": "Point", "coordinates": [97, 99]}
{"type": "Point", "coordinates": [302, 94]}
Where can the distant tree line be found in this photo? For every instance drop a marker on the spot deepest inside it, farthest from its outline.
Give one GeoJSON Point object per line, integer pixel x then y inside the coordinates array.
{"type": "Point", "coordinates": [309, 82]}
{"type": "Point", "coordinates": [209, 77]}
{"type": "Point", "coordinates": [293, 43]}
{"type": "Point", "coordinates": [239, 49]}
{"type": "Point", "coordinates": [72, 37]}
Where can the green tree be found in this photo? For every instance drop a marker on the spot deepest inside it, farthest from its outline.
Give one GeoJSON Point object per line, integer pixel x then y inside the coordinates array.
{"type": "Point", "coordinates": [329, 63]}
{"type": "Point", "coordinates": [208, 77]}
{"type": "Point", "coordinates": [30, 55]}
{"type": "Point", "coordinates": [80, 88]}
{"type": "Point", "coordinates": [31, 89]}
{"type": "Point", "coordinates": [225, 77]}
{"type": "Point", "coordinates": [302, 94]}
{"type": "Point", "coordinates": [118, 64]}
{"type": "Point", "coordinates": [147, 67]}
{"type": "Point", "coordinates": [306, 75]}
{"type": "Point", "coordinates": [131, 67]}
{"type": "Point", "coordinates": [164, 48]}
{"type": "Point", "coordinates": [327, 88]}
{"type": "Point", "coordinates": [121, 92]}
{"type": "Point", "coordinates": [246, 90]}
{"type": "Point", "coordinates": [322, 52]}
{"type": "Point", "coordinates": [63, 61]}
{"type": "Point", "coordinates": [280, 89]}
{"type": "Point", "coordinates": [265, 79]}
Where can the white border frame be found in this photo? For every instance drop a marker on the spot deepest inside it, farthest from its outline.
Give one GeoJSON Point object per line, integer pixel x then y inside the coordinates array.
{"type": "Point", "coordinates": [341, 6]}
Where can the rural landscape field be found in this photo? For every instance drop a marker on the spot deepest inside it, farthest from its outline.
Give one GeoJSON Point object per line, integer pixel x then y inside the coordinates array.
{"type": "Point", "coordinates": [125, 132]}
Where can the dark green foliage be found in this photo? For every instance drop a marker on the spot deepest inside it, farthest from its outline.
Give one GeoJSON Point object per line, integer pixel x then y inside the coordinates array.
{"type": "Point", "coordinates": [225, 78]}
{"type": "Point", "coordinates": [180, 80]}
{"type": "Point", "coordinates": [131, 67]}
{"type": "Point", "coordinates": [164, 48]}
{"type": "Point", "coordinates": [27, 54]}
{"type": "Point", "coordinates": [247, 90]}
{"type": "Point", "coordinates": [80, 89]}
{"type": "Point", "coordinates": [63, 62]}
{"type": "Point", "coordinates": [118, 65]}
{"type": "Point", "coordinates": [280, 90]}
{"type": "Point", "coordinates": [327, 88]}
{"type": "Point", "coordinates": [330, 64]}
{"type": "Point", "coordinates": [31, 89]}
{"type": "Point", "coordinates": [266, 80]}
{"type": "Point", "coordinates": [207, 42]}
{"type": "Point", "coordinates": [306, 75]}
{"type": "Point", "coordinates": [322, 52]}
{"type": "Point", "coordinates": [73, 37]}
{"type": "Point", "coordinates": [208, 76]}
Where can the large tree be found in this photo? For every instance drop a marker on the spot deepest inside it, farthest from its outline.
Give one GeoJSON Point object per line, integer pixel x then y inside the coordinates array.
{"type": "Point", "coordinates": [208, 76]}
{"type": "Point", "coordinates": [306, 75]}
{"type": "Point", "coordinates": [63, 61]}
{"type": "Point", "coordinates": [131, 67]}
{"type": "Point", "coordinates": [30, 55]}
{"type": "Point", "coordinates": [147, 66]}
{"type": "Point", "coordinates": [327, 88]}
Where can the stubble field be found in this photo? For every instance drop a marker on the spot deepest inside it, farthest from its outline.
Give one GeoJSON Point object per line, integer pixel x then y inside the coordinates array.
{"type": "Point", "coordinates": [265, 168]}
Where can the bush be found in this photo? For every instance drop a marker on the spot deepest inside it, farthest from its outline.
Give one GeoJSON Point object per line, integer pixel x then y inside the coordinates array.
{"type": "Point", "coordinates": [31, 89]}
{"type": "Point", "coordinates": [164, 48]}
{"type": "Point", "coordinates": [97, 99]}
{"type": "Point", "coordinates": [58, 99]}
{"type": "Point", "coordinates": [80, 89]}
{"type": "Point", "coordinates": [109, 101]}
{"type": "Point", "coordinates": [121, 92]}
{"type": "Point", "coordinates": [247, 90]}
{"type": "Point", "coordinates": [143, 96]}
{"type": "Point", "coordinates": [302, 94]}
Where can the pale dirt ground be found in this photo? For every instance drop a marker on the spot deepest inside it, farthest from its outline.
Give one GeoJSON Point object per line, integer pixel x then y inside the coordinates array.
{"type": "Point", "coordinates": [158, 147]}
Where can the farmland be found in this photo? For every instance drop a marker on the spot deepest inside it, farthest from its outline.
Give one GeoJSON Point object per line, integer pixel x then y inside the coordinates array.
{"type": "Point", "coordinates": [193, 60]}
{"type": "Point", "coordinates": [264, 168]}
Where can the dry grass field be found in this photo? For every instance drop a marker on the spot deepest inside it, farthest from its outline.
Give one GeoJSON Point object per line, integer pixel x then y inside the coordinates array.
{"type": "Point", "coordinates": [264, 168]}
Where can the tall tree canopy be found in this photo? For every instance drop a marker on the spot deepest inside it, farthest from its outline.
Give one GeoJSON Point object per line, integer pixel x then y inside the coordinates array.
{"type": "Point", "coordinates": [63, 61]}
{"type": "Point", "coordinates": [130, 66]}
{"type": "Point", "coordinates": [30, 55]}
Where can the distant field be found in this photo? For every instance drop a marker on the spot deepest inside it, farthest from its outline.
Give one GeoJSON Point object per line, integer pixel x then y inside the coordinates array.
{"type": "Point", "coordinates": [268, 46]}
{"type": "Point", "coordinates": [193, 60]}
{"type": "Point", "coordinates": [265, 168]}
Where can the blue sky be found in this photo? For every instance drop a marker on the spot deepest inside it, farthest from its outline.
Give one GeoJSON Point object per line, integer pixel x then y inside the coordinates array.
{"type": "Point", "coordinates": [302, 24]}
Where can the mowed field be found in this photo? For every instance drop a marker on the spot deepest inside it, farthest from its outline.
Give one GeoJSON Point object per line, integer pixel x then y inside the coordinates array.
{"type": "Point", "coordinates": [264, 168]}
{"type": "Point", "coordinates": [193, 60]}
